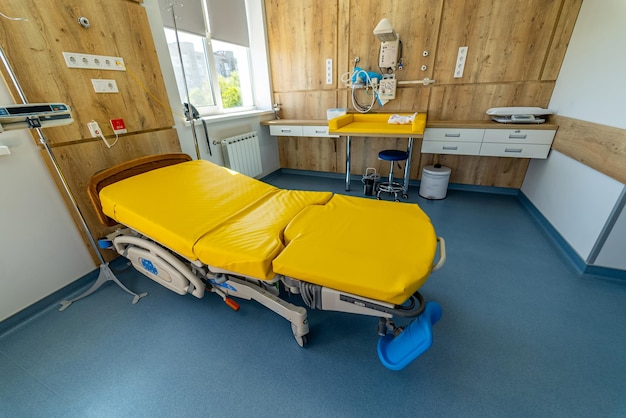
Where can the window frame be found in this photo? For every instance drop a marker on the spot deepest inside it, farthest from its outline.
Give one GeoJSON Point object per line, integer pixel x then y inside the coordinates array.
{"type": "Point", "coordinates": [209, 60]}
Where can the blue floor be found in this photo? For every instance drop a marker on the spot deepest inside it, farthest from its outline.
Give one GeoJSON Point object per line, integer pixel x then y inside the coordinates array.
{"type": "Point", "coordinates": [523, 334]}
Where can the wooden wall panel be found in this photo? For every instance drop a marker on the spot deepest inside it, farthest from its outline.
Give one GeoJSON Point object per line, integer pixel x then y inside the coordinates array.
{"type": "Point", "coordinates": [484, 171]}
{"type": "Point", "coordinates": [471, 101]}
{"type": "Point", "coordinates": [417, 23]}
{"type": "Point", "coordinates": [80, 161]}
{"type": "Point", "coordinates": [600, 147]}
{"type": "Point", "coordinates": [118, 28]}
{"type": "Point", "coordinates": [306, 104]}
{"type": "Point", "coordinates": [302, 35]}
{"type": "Point", "coordinates": [515, 51]}
{"type": "Point", "coordinates": [560, 40]}
{"type": "Point", "coordinates": [507, 40]}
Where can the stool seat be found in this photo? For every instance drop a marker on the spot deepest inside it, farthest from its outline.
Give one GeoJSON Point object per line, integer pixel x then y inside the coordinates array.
{"type": "Point", "coordinates": [393, 155]}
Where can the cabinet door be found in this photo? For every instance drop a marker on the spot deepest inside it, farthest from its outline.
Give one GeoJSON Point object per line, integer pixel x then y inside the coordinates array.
{"type": "Point", "coordinates": [301, 36]}
{"type": "Point", "coordinates": [285, 130]}
{"type": "Point", "coordinates": [453, 134]}
{"type": "Point", "coordinates": [492, 149]}
{"type": "Point", "coordinates": [519, 136]}
{"type": "Point", "coordinates": [450, 147]}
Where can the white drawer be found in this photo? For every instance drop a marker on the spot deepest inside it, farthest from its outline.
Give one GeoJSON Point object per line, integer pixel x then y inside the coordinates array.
{"type": "Point", "coordinates": [519, 136]}
{"type": "Point", "coordinates": [492, 149]}
{"type": "Point", "coordinates": [285, 130]}
{"type": "Point", "coordinates": [450, 147]}
{"type": "Point", "coordinates": [315, 131]}
{"type": "Point", "coordinates": [452, 134]}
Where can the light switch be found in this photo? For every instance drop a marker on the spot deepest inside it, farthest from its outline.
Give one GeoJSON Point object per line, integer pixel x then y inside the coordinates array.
{"type": "Point", "coordinates": [4, 150]}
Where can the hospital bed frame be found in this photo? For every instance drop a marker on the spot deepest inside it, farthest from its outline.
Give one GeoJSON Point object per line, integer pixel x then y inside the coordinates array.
{"type": "Point", "coordinates": [183, 275]}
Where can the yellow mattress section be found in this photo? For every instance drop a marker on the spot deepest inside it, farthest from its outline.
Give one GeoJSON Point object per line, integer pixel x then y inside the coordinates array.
{"type": "Point", "coordinates": [376, 249]}
{"type": "Point", "coordinates": [179, 204]}
{"type": "Point", "coordinates": [375, 123]}
{"type": "Point", "coordinates": [248, 241]}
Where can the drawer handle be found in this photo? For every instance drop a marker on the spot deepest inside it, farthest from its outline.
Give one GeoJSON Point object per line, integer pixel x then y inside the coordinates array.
{"type": "Point", "coordinates": [458, 135]}
{"type": "Point", "coordinates": [516, 150]}
{"type": "Point", "coordinates": [450, 148]}
{"type": "Point", "coordinates": [320, 132]}
{"type": "Point", "coordinates": [517, 136]}
{"type": "Point", "coordinates": [285, 130]}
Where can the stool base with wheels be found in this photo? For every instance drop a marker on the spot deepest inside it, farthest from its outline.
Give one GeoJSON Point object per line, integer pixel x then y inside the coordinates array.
{"type": "Point", "coordinates": [390, 186]}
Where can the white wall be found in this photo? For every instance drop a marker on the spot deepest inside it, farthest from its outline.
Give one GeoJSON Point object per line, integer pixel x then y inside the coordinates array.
{"type": "Point", "coordinates": [576, 199]}
{"type": "Point", "coordinates": [41, 250]}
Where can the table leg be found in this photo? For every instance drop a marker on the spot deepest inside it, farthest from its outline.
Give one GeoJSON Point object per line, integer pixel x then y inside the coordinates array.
{"type": "Point", "coordinates": [348, 146]}
{"type": "Point", "coordinates": [407, 168]}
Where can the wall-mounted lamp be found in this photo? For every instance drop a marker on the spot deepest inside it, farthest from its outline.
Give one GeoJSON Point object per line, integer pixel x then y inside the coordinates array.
{"type": "Point", "coordinates": [384, 31]}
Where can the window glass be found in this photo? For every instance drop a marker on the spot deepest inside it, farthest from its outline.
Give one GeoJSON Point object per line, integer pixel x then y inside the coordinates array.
{"type": "Point", "coordinates": [233, 73]}
{"type": "Point", "coordinates": [196, 71]}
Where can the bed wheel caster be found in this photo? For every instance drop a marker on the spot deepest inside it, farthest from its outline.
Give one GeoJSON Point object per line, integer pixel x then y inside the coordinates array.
{"type": "Point", "coordinates": [302, 341]}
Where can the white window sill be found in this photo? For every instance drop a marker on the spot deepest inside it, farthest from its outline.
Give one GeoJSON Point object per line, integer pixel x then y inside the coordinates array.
{"type": "Point", "coordinates": [234, 116]}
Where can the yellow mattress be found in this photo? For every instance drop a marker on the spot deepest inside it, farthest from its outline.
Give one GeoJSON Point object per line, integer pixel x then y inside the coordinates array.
{"type": "Point", "coordinates": [209, 213]}
{"type": "Point", "coordinates": [376, 249]}
{"type": "Point", "coordinates": [376, 124]}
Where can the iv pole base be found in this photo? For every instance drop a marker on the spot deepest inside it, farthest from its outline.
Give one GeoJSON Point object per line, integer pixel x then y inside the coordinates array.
{"type": "Point", "coordinates": [105, 275]}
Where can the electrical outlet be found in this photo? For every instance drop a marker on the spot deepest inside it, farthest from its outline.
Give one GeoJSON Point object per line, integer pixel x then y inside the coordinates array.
{"type": "Point", "coordinates": [104, 86]}
{"type": "Point", "coordinates": [93, 62]}
{"type": "Point", "coordinates": [461, 57]}
{"type": "Point", "coordinates": [329, 71]}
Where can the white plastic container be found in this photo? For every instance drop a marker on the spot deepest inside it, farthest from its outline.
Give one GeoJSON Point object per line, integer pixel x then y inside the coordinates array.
{"type": "Point", "coordinates": [434, 184]}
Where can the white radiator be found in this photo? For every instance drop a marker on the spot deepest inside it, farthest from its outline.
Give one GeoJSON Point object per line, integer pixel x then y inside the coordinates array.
{"type": "Point", "coordinates": [242, 154]}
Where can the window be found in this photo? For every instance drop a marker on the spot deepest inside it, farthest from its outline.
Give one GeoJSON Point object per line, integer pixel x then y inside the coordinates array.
{"type": "Point", "coordinates": [212, 71]}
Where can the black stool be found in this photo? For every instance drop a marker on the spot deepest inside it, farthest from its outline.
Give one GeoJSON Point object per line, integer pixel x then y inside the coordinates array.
{"type": "Point", "coordinates": [390, 186]}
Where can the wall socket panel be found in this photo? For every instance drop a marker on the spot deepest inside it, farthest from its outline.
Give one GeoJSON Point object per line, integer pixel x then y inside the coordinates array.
{"type": "Point", "coordinates": [104, 86]}
{"type": "Point", "coordinates": [93, 62]}
{"type": "Point", "coordinates": [329, 71]}
{"type": "Point", "coordinates": [461, 57]}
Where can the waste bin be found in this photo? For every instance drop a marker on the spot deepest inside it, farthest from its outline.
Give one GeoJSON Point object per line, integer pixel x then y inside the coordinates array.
{"type": "Point", "coordinates": [434, 184]}
{"type": "Point", "coordinates": [370, 178]}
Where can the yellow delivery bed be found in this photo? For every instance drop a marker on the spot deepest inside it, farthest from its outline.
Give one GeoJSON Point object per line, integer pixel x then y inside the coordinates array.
{"type": "Point", "coordinates": [244, 226]}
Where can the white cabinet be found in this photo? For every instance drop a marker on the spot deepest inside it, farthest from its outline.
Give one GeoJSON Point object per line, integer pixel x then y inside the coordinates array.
{"type": "Point", "coordinates": [463, 141]}
{"type": "Point", "coordinates": [497, 142]}
{"type": "Point", "coordinates": [300, 130]}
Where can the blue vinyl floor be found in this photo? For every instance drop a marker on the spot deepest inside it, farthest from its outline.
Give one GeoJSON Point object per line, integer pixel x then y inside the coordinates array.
{"type": "Point", "coordinates": [523, 334]}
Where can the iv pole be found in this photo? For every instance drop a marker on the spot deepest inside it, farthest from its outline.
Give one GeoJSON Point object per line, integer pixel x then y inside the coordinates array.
{"type": "Point", "coordinates": [105, 271]}
{"type": "Point", "coordinates": [188, 112]}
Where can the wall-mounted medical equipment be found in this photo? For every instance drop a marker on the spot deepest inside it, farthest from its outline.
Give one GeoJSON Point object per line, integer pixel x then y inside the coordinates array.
{"type": "Point", "coordinates": [34, 115]}
{"type": "Point", "coordinates": [519, 114]}
{"type": "Point", "coordinates": [389, 44]}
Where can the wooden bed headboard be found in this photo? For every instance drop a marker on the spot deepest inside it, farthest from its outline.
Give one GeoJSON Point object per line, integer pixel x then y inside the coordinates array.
{"type": "Point", "coordinates": [124, 170]}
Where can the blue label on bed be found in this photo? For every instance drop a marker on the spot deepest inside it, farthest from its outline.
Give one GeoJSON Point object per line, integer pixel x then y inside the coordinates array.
{"type": "Point", "coordinates": [224, 285]}
{"type": "Point", "coordinates": [147, 264]}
